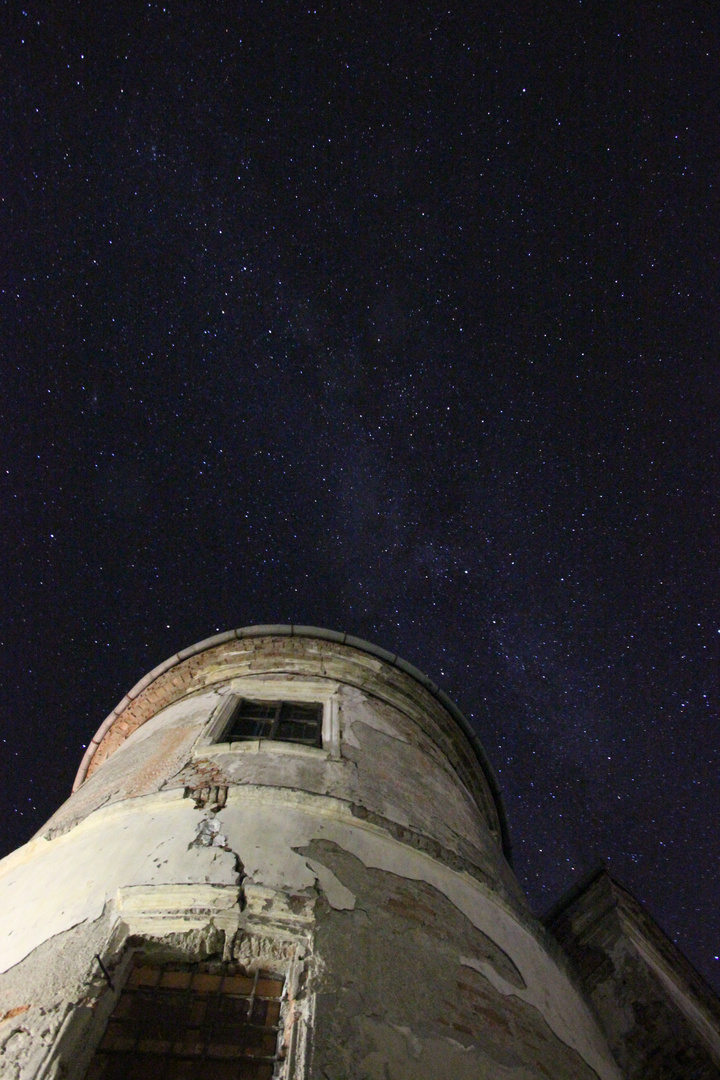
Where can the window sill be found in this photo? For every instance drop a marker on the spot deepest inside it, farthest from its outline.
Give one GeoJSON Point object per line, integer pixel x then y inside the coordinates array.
{"type": "Point", "coordinates": [261, 746]}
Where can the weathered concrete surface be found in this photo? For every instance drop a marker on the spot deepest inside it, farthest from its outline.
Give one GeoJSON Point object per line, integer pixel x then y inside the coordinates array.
{"type": "Point", "coordinates": [72, 877]}
{"type": "Point", "coordinates": [403, 776]}
{"type": "Point", "coordinates": [35, 998]}
{"type": "Point", "coordinates": [397, 998]}
{"type": "Point", "coordinates": [150, 841]}
{"type": "Point", "coordinates": [307, 657]}
{"type": "Point", "coordinates": [662, 1021]}
{"type": "Point", "coordinates": [369, 873]}
{"type": "Point", "coordinates": [142, 763]}
{"type": "Point", "coordinates": [387, 767]}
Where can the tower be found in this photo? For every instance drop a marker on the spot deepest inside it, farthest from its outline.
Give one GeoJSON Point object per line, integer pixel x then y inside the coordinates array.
{"type": "Point", "coordinates": [285, 856]}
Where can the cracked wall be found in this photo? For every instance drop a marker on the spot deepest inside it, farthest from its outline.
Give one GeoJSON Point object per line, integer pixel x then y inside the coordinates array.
{"type": "Point", "coordinates": [388, 768]}
{"type": "Point", "coordinates": [377, 857]}
{"type": "Point", "coordinates": [412, 990]}
{"type": "Point", "coordinates": [289, 843]}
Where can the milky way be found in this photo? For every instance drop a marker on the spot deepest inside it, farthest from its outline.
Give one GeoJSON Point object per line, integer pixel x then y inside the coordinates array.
{"type": "Point", "coordinates": [400, 323]}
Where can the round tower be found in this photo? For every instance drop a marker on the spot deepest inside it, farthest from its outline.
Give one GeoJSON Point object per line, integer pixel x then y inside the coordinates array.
{"type": "Point", "coordinates": [285, 856]}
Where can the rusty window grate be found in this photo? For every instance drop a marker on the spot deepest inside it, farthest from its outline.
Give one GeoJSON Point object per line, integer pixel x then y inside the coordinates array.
{"type": "Point", "coordinates": [286, 721]}
{"type": "Point", "coordinates": [192, 1022]}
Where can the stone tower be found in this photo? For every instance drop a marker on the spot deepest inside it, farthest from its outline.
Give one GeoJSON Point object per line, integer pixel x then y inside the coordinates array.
{"type": "Point", "coordinates": [285, 856]}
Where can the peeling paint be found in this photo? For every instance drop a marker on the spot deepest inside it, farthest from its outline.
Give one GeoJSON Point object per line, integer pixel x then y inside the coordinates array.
{"type": "Point", "coordinates": [489, 972]}
{"type": "Point", "coordinates": [439, 1058]}
{"type": "Point", "coordinates": [337, 895]}
{"type": "Point", "coordinates": [118, 846]}
{"type": "Point", "coordinates": [368, 872]}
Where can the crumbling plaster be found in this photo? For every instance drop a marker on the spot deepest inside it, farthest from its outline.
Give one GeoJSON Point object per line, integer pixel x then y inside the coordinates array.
{"type": "Point", "coordinates": [246, 850]}
{"type": "Point", "coordinates": [385, 765]}
{"type": "Point", "coordinates": [142, 763]}
{"type": "Point", "coordinates": [59, 980]}
{"type": "Point", "coordinates": [323, 656]}
{"type": "Point", "coordinates": [660, 1019]}
{"type": "Point", "coordinates": [74, 876]}
{"type": "Point", "coordinates": [393, 1001]}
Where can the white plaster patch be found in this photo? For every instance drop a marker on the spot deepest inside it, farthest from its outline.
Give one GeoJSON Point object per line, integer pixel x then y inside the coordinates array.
{"type": "Point", "coordinates": [436, 1058]}
{"type": "Point", "coordinates": [337, 895]}
{"type": "Point", "coordinates": [488, 971]}
{"type": "Point", "coordinates": [207, 834]}
{"type": "Point", "coordinates": [547, 988]}
{"type": "Point", "coordinates": [412, 1040]}
{"type": "Point", "coordinates": [72, 877]}
{"type": "Point", "coordinates": [458, 1045]}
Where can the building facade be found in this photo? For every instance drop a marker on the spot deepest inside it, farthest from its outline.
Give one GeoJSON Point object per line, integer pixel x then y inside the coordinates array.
{"type": "Point", "coordinates": [286, 856]}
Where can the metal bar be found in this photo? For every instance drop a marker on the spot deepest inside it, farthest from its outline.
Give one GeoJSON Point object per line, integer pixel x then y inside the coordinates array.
{"type": "Point", "coordinates": [105, 972]}
{"type": "Point", "coordinates": [251, 999]}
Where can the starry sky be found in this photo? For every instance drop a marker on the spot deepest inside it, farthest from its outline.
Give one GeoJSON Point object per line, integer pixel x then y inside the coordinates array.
{"type": "Point", "coordinates": [394, 319]}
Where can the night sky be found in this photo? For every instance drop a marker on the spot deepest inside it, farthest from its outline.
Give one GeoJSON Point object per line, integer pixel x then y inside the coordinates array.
{"type": "Point", "coordinates": [400, 320]}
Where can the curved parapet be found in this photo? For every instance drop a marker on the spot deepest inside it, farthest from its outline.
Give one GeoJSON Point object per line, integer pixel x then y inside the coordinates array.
{"type": "Point", "coordinates": [165, 684]}
{"type": "Point", "coordinates": [284, 858]}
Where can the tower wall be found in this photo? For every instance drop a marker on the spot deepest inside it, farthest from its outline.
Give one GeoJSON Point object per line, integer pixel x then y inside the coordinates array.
{"type": "Point", "coordinates": [367, 873]}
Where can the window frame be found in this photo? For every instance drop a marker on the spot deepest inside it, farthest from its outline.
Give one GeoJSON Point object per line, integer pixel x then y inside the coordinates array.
{"type": "Point", "coordinates": [282, 708]}
{"type": "Point", "coordinates": [198, 987]}
{"type": "Point", "coordinates": [300, 690]}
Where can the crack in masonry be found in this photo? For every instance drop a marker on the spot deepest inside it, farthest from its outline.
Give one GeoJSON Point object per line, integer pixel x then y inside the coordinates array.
{"type": "Point", "coordinates": [208, 835]}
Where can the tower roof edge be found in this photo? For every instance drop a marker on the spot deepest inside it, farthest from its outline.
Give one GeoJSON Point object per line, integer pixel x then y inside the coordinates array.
{"type": "Point", "coordinates": [318, 633]}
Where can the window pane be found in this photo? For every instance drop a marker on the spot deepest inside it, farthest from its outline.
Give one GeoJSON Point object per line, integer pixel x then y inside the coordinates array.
{"type": "Point", "coordinates": [288, 721]}
{"type": "Point", "coordinates": [260, 710]}
{"type": "Point", "coordinates": [289, 731]}
{"type": "Point", "coordinates": [293, 710]}
{"type": "Point", "coordinates": [251, 720]}
{"type": "Point", "coordinates": [249, 729]}
{"type": "Point", "coordinates": [300, 722]}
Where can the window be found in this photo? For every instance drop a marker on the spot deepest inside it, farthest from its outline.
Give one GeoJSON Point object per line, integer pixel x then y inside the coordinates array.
{"type": "Point", "coordinates": [193, 1022]}
{"type": "Point", "coordinates": [286, 721]}
{"type": "Point", "coordinates": [269, 712]}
